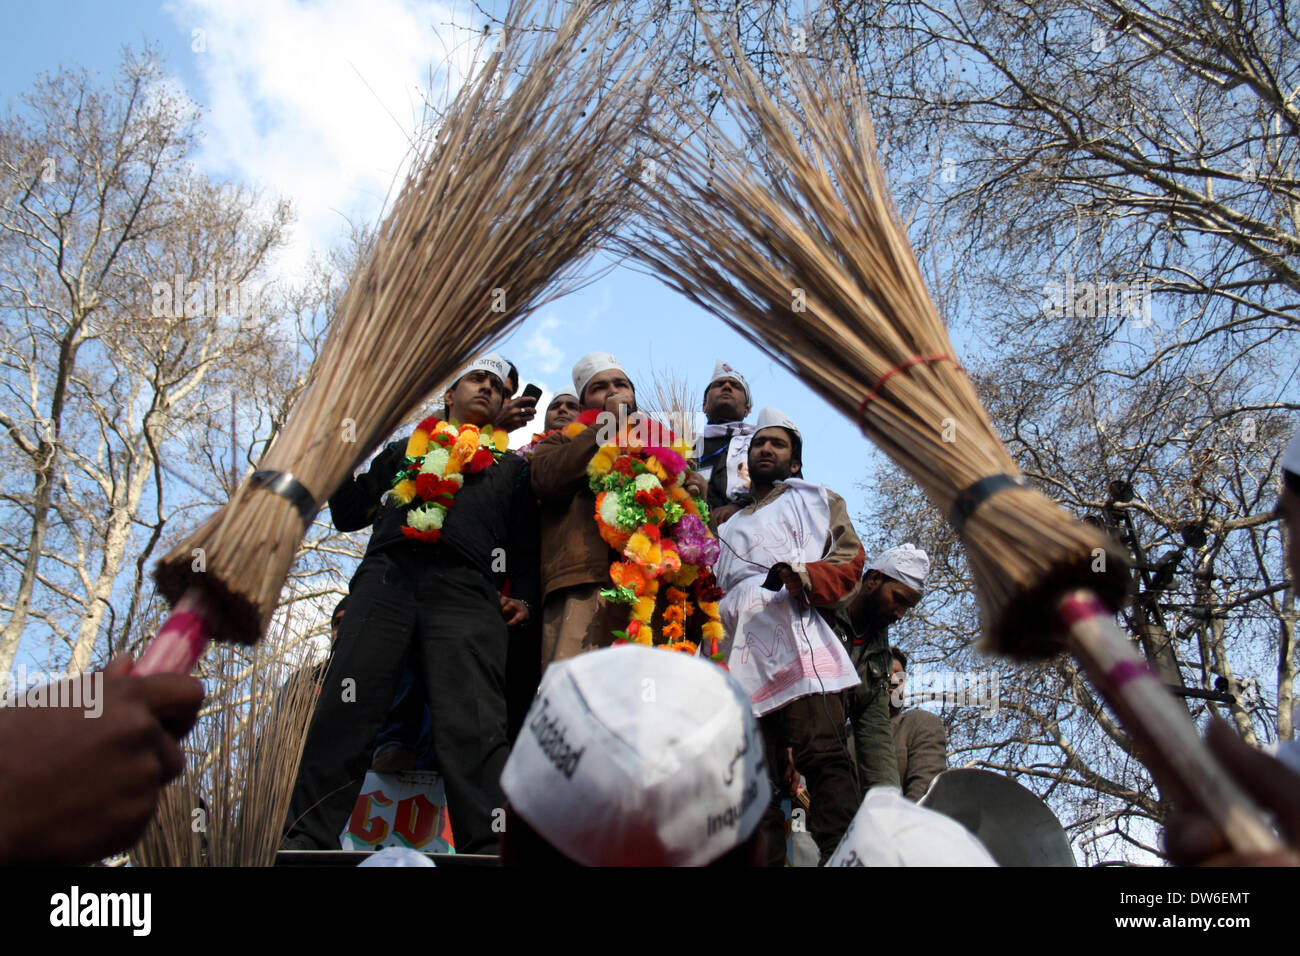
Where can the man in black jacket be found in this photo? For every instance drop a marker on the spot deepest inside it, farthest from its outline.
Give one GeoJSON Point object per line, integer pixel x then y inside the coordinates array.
{"type": "Point", "coordinates": [443, 601]}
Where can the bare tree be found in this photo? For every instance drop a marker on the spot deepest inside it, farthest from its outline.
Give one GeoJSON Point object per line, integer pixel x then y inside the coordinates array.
{"type": "Point", "coordinates": [1103, 196]}
{"type": "Point", "coordinates": [1162, 465]}
{"type": "Point", "coordinates": [127, 287]}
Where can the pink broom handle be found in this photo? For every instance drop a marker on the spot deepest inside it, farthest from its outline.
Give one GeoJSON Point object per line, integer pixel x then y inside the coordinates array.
{"type": "Point", "coordinates": [1166, 737]}
{"type": "Point", "coordinates": [181, 642]}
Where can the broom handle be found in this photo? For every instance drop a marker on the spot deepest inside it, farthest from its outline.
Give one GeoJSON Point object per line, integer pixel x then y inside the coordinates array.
{"type": "Point", "coordinates": [181, 642]}
{"type": "Point", "coordinates": [1166, 738]}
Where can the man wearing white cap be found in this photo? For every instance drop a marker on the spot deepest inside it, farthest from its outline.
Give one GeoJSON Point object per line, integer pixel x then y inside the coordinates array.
{"type": "Point", "coordinates": [564, 408]}
{"type": "Point", "coordinates": [437, 597]}
{"type": "Point", "coordinates": [787, 558]}
{"type": "Point", "coordinates": [891, 586]}
{"type": "Point", "coordinates": [575, 558]}
{"type": "Point", "coordinates": [633, 756]}
{"type": "Point", "coordinates": [722, 450]}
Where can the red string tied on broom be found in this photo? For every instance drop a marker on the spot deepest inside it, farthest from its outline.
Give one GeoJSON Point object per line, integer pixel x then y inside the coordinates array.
{"type": "Point", "coordinates": [915, 360]}
{"type": "Point", "coordinates": [971, 497]}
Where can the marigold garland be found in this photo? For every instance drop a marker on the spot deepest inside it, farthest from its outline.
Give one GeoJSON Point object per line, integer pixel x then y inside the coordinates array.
{"type": "Point", "coordinates": [661, 532]}
{"type": "Point", "coordinates": [439, 455]}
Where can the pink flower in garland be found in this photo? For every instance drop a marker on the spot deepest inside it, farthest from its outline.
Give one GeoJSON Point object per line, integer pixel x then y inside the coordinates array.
{"type": "Point", "coordinates": [673, 463]}
{"type": "Point", "coordinates": [694, 543]}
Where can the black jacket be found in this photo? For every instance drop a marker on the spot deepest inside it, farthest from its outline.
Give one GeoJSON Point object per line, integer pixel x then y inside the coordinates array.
{"type": "Point", "coordinates": [491, 525]}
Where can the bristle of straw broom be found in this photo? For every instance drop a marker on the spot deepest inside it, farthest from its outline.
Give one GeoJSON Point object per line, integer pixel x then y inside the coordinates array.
{"type": "Point", "coordinates": [524, 179]}
{"type": "Point", "coordinates": [674, 403]}
{"type": "Point", "coordinates": [809, 261]}
{"type": "Point", "coordinates": [229, 807]}
{"type": "Point", "coordinates": [824, 229]}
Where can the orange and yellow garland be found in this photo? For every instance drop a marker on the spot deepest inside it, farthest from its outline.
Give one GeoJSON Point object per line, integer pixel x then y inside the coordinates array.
{"type": "Point", "coordinates": [660, 529]}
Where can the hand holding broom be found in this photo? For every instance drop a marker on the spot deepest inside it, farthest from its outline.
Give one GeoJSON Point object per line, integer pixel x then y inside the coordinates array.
{"type": "Point", "coordinates": [806, 258]}
{"type": "Point", "coordinates": [525, 176]}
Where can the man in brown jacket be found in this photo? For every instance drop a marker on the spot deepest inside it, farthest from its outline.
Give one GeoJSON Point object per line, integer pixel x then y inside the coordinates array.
{"type": "Point", "coordinates": [919, 737]}
{"type": "Point", "coordinates": [575, 558]}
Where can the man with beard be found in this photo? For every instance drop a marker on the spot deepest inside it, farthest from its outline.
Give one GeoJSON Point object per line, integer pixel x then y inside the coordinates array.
{"type": "Point", "coordinates": [430, 585]}
{"type": "Point", "coordinates": [575, 558]}
{"type": "Point", "coordinates": [787, 558]}
{"type": "Point", "coordinates": [722, 451]}
{"type": "Point", "coordinates": [890, 588]}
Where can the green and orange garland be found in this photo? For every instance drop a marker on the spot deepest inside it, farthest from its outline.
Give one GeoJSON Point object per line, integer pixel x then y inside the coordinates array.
{"type": "Point", "coordinates": [661, 532]}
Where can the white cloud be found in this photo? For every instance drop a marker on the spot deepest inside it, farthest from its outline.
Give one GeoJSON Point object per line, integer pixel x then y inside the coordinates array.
{"type": "Point", "coordinates": [319, 102]}
{"type": "Point", "coordinates": [540, 350]}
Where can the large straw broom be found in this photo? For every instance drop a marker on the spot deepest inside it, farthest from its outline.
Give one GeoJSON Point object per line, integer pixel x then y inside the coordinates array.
{"type": "Point", "coordinates": [228, 808]}
{"type": "Point", "coordinates": [529, 170]}
{"type": "Point", "coordinates": [798, 247]}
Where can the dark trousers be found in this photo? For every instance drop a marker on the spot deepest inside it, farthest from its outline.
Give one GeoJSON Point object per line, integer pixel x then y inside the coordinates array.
{"type": "Point", "coordinates": [449, 616]}
{"type": "Point", "coordinates": [814, 727]}
{"type": "Point", "coordinates": [523, 671]}
{"type": "Point", "coordinates": [409, 722]}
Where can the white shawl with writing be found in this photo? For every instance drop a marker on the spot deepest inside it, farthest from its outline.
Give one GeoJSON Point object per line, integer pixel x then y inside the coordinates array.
{"type": "Point", "coordinates": [777, 645]}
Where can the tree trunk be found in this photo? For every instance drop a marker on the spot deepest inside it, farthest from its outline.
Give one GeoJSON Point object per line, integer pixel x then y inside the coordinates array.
{"type": "Point", "coordinates": [13, 630]}
{"type": "Point", "coordinates": [115, 543]}
{"type": "Point", "coordinates": [1286, 665]}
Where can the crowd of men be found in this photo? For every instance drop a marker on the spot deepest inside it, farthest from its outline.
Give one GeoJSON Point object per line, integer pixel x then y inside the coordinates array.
{"type": "Point", "coordinates": [485, 649]}
{"type": "Point", "coordinates": [427, 641]}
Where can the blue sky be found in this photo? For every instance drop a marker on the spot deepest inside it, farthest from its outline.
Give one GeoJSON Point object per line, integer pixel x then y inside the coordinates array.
{"type": "Point", "coordinates": [317, 102]}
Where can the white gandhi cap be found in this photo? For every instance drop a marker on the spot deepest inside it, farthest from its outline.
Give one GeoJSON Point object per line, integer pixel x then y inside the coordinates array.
{"type": "Point", "coordinates": [636, 756]}
{"type": "Point", "coordinates": [722, 370]}
{"type": "Point", "coordinates": [591, 365]}
{"type": "Point", "coordinates": [486, 363]}
{"type": "Point", "coordinates": [890, 830]}
{"type": "Point", "coordinates": [906, 564]}
{"type": "Point", "coordinates": [773, 417]}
